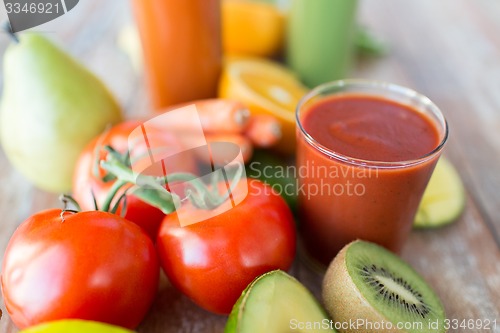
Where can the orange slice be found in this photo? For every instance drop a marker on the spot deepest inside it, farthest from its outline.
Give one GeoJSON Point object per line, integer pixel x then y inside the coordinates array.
{"type": "Point", "coordinates": [265, 87]}
{"type": "Point", "coordinates": [251, 28]}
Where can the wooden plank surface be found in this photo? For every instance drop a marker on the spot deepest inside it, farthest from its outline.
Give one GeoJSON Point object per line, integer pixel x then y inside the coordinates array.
{"type": "Point", "coordinates": [449, 50]}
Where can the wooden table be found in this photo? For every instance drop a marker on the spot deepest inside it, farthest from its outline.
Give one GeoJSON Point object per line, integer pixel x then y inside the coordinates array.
{"type": "Point", "coordinates": [449, 50]}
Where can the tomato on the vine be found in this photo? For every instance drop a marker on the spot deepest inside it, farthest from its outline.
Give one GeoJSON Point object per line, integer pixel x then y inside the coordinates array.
{"type": "Point", "coordinates": [86, 182]}
{"type": "Point", "coordinates": [213, 261]}
{"type": "Point", "coordinates": [89, 265]}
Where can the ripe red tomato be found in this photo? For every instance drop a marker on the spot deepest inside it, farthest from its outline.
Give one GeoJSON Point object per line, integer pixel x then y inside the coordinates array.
{"type": "Point", "coordinates": [213, 261]}
{"type": "Point", "coordinates": [85, 181]}
{"type": "Point", "coordinates": [93, 265]}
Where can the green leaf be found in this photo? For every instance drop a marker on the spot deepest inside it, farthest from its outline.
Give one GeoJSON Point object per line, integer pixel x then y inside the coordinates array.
{"type": "Point", "coordinates": [367, 43]}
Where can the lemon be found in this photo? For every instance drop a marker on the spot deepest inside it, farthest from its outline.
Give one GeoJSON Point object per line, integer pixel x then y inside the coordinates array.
{"type": "Point", "coordinates": [444, 197]}
{"type": "Point", "coordinates": [265, 87]}
{"type": "Point", "coordinates": [251, 28]}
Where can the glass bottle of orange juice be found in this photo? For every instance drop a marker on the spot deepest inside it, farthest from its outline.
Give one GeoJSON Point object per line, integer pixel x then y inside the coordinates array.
{"type": "Point", "coordinates": [181, 40]}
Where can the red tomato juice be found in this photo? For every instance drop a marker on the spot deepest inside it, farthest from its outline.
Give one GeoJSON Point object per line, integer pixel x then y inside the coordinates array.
{"type": "Point", "coordinates": [363, 167]}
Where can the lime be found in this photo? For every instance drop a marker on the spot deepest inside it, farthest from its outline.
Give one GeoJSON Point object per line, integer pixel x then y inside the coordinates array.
{"type": "Point", "coordinates": [444, 197]}
{"type": "Point", "coordinates": [75, 326]}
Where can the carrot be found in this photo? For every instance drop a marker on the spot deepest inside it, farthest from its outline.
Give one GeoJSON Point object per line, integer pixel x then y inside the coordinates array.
{"type": "Point", "coordinates": [222, 115]}
{"type": "Point", "coordinates": [263, 130]}
{"type": "Point", "coordinates": [218, 150]}
{"type": "Point", "coordinates": [216, 115]}
{"type": "Point", "coordinates": [222, 153]}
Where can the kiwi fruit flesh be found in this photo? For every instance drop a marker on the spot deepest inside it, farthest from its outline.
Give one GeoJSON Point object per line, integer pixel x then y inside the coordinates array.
{"type": "Point", "coordinates": [379, 292]}
{"type": "Point", "coordinates": [275, 302]}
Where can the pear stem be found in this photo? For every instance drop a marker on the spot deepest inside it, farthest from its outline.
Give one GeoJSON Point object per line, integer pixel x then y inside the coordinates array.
{"type": "Point", "coordinates": [8, 29]}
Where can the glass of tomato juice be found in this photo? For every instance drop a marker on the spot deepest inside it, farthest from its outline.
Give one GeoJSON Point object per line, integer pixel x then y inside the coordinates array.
{"type": "Point", "coordinates": [365, 153]}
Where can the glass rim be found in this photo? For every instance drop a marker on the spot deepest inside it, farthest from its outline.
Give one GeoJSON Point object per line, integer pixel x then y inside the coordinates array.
{"type": "Point", "coordinates": [390, 87]}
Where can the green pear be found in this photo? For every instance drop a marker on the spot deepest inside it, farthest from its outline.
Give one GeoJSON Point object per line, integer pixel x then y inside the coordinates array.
{"type": "Point", "coordinates": [75, 326]}
{"type": "Point", "coordinates": [51, 108]}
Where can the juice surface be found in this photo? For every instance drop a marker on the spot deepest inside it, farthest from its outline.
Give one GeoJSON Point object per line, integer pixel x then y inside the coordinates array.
{"type": "Point", "coordinates": [371, 128]}
{"type": "Point", "coordinates": [341, 201]}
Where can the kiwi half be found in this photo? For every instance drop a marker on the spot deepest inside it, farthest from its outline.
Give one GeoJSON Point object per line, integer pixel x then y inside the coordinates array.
{"type": "Point", "coordinates": [369, 289]}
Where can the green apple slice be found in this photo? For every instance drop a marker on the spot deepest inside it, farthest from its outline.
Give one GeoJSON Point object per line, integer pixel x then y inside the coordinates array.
{"type": "Point", "coordinates": [444, 197]}
{"type": "Point", "coordinates": [276, 302]}
{"type": "Point", "coordinates": [75, 326]}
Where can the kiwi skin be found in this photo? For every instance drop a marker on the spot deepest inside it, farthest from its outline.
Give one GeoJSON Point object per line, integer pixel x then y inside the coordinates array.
{"type": "Point", "coordinates": [339, 287]}
{"type": "Point", "coordinates": [345, 302]}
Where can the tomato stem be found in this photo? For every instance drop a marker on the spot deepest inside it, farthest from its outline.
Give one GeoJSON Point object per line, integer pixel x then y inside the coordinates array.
{"type": "Point", "coordinates": [147, 188]}
{"type": "Point", "coordinates": [151, 189]}
{"type": "Point", "coordinates": [122, 198]}
{"type": "Point", "coordinates": [112, 194]}
{"type": "Point", "coordinates": [96, 206]}
{"type": "Point", "coordinates": [66, 198]}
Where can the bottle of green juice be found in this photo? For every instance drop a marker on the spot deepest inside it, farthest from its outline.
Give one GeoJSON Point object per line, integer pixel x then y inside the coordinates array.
{"type": "Point", "coordinates": [320, 39]}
